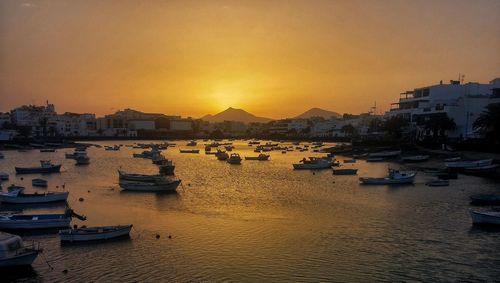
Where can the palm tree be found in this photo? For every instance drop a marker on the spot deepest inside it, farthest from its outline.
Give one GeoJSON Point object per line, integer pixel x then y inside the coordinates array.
{"type": "Point", "coordinates": [348, 130]}
{"type": "Point", "coordinates": [488, 122]}
{"type": "Point", "coordinates": [437, 124]}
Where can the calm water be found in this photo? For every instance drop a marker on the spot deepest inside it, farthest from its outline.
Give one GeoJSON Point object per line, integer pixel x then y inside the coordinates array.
{"type": "Point", "coordinates": [261, 221]}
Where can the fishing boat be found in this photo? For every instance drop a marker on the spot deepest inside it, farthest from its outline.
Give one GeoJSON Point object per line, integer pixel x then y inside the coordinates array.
{"type": "Point", "coordinates": [135, 177]}
{"type": "Point", "coordinates": [192, 143]}
{"type": "Point", "coordinates": [82, 160]}
{"type": "Point", "coordinates": [167, 167]}
{"type": "Point", "coordinates": [189, 150]}
{"type": "Point", "coordinates": [47, 150]}
{"type": "Point", "coordinates": [485, 218]}
{"type": "Point", "coordinates": [13, 251]}
{"type": "Point", "coordinates": [468, 164]}
{"type": "Point", "coordinates": [75, 154]}
{"type": "Point", "coordinates": [85, 234]}
{"type": "Point", "coordinates": [221, 155]}
{"type": "Point", "coordinates": [385, 154]}
{"type": "Point", "coordinates": [234, 159]}
{"type": "Point", "coordinates": [415, 158]}
{"type": "Point", "coordinates": [34, 221]}
{"type": "Point", "coordinates": [39, 182]}
{"type": "Point", "coordinates": [313, 163]}
{"type": "Point", "coordinates": [4, 176]}
{"type": "Point", "coordinates": [147, 153]}
{"type": "Point", "coordinates": [345, 171]}
{"type": "Point", "coordinates": [485, 199]}
{"type": "Point", "coordinates": [156, 186]}
{"type": "Point", "coordinates": [16, 195]}
{"type": "Point", "coordinates": [260, 157]}
{"type": "Point", "coordinates": [114, 148]}
{"type": "Point", "coordinates": [394, 177]}
{"type": "Point", "coordinates": [438, 183]}
{"type": "Point", "coordinates": [46, 167]}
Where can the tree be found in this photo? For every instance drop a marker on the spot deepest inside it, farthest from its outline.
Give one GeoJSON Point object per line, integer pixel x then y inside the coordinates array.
{"type": "Point", "coordinates": [437, 124]}
{"type": "Point", "coordinates": [395, 125]}
{"type": "Point", "coordinates": [488, 122]}
{"type": "Point", "coordinates": [348, 130]}
{"type": "Point", "coordinates": [376, 125]}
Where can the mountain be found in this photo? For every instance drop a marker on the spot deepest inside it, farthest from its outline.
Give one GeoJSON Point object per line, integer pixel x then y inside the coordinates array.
{"type": "Point", "coordinates": [234, 114]}
{"type": "Point", "coordinates": [318, 112]}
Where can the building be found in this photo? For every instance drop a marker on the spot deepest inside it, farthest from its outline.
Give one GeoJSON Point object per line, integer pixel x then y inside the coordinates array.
{"type": "Point", "coordinates": [181, 125]}
{"type": "Point", "coordinates": [4, 119]}
{"type": "Point", "coordinates": [34, 117]}
{"type": "Point", "coordinates": [117, 124]}
{"type": "Point", "coordinates": [72, 124]}
{"type": "Point", "coordinates": [461, 102]}
{"type": "Point", "coordinates": [141, 124]}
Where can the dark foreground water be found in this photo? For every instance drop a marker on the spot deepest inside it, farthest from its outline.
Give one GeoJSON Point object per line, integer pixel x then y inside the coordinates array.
{"type": "Point", "coordinates": [260, 221]}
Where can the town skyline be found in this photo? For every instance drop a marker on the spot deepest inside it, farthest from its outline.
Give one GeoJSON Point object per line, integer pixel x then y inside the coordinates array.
{"type": "Point", "coordinates": [194, 59]}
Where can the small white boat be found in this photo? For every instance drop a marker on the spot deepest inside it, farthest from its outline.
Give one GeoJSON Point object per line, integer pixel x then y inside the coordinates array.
{"type": "Point", "coordinates": [139, 177]}
{"type": "Point", "coordinates": [392, 153]}
{"type": "Point", "coordinates": [4, 176]}
{"type": "Point", "coordinates": [39, 182]}
{"type": "Point", "coordinates": [85, 234]}
{"type": "Point", "coordinates": [222, 155]}
{"type": "Point", "coordinates": [13, 251]}
{"type": "Point", "coordinates": [189, 150]}
{"type": "Point", "coordinates": [234, 159]}
{"type": "Point", "coordinates": [45, 167]}
{"type": "Point", "coordinates": [34, 221]}
{"type": "Point", "coordinates": [313, 163]}
{"type": "Point", "coordinates": [469, 164]}
{"type": "Point", "coordinates": [438, 183]}
{"type": "Point", "coordinates": [16, 195]}
{"type": "Point", "coordinates": [260, 157]}
{"type": "Point", "coordinates": [345, 171]}
{"type": "Point", "coordinates": [485, 218]}
{"type": "Point", "coordinates": [394, 177]}
{"type": "Point", "coordinates": [415, 158]}
{"type": "Point", "coordinates": [157, 186]}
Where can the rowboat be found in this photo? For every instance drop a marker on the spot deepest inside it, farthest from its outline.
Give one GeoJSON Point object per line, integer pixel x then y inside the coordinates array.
{"type": "Point", "coordinates": [469, 164]}
{"type": "Point", "coordinates": [394, 177]}
{"type": "Point", "coordinates": [13, 251]}
{"type": "Point", "coordinates": [46, 167]}
{"type": "Point", "coordinates": [16, 195]}
{"type": "Point", "coordinates": [189, 150]}
{"type": "Point", "coordinates": [34, 221]}
{"type": "Point", "coordinates": [4, 176]}
{"type": "Point", "coordinates": [481, 169]}
{"type": "Point", "coordinates": [314, 163]}
{"type": "Point", "coordinates": [234, 159]}
{"type": "Point", "coordinates": [392, 153]}
{"type": "Point", "coordinates": [39, 182]}
{"type": "Point", "coordinates": [438, 183]}
{"type": "Point", "coordinates": [485, 199]}
{"type": "Point", "coordinates": [345, 171]}
{"type": "Point", "coordinates": [415, 158]}
{"type": "Point", "coordinates": [157, 186]}
{"type": "Point", "coordinates": [82, 160]}
{"type": "Point", "coordinates": [260, 157]}
{"type": "Point", "coordinates": [485, 218]}
{"type": "Point", "coordinates": [85, 234]}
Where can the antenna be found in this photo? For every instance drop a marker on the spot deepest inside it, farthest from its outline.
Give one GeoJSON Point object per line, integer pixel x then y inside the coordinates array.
{"type": "Point", "coordinates": [462, 79]}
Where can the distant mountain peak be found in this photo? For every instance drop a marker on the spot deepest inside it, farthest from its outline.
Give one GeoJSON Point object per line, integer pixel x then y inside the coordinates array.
{"type": "Point", "coordinates": [318, 112]}
{"type": "Point", "coordinates": [235, 114]}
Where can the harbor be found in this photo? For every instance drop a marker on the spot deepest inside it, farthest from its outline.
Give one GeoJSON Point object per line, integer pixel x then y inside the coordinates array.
{"type": "Point", "coordinates": [253, 221]}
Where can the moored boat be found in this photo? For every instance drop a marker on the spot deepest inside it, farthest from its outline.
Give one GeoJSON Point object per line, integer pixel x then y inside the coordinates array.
{"type": "Point", "coordinates": [485, 199]}
{"type": "Point", "coordinates": [189, 150]}
{"type": "Point", "coordinates": [192, 143]}
{"type": "Point", "coordinates": [13, 251]}
{"type": "Point", "coordinates": [135, 177]}
{"type": "Point", "coordinates": [385, 154]}
{"type": "Point", "coordinates": [47, 150]}
{"type": "Point", "coordinates": [17, 196]}
{"type": "Point", "coordinates": [485, 218]}
{"type": "Point", "coordinates": [39, 182]}
{"type": "Point", "coordinates": [415, 158]}
{"type": "Point", "coordinates": [234, 159]}
{"type": "Point", "coordinates": [4, 176]}
{"type": "Point", "coordinates": [438, 183]}
{"type": "Point", "coordinates": [222, 155]}
{"type": "Point", "coordinates": [468, 164]}
{"type": "Point", "coordinates": [481, 169]}
{"type": "Point", "coordinates": [46, 167]}
{"type": "Point", "coordinates": [157, 186]}
{"type": "Point", "coordinates": [85, 234]}
{"type": "Point", "coordinates": [394, 177]}
{"type": "Point", "coordinates": [82, 160]}
{"type": "Point", "coordinates": [314, 163]}
{"type": "Point", "coordinates": [34, 221]}
{"type": "Point", "coordinates": [260, 157]}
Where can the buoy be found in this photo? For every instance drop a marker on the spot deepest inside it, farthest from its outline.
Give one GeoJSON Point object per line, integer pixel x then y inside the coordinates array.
{"type": "Point", "coordinates": [22, 178]}
{"type": "Point", "coordinates": [88, 191]}
{"type": "Point", "coordinates": [57, 187]}
{"type": "Point", "coordinates": [75, 226]}
{"type": "Point", "coordinates": [157, 236]}
{"type": "Point", "coordinates": [65, 271]}
{"type": "Point", "coordinates": [80, 199]}
{"type": "Point", "coordinates": [170, 236]}
{"type": "Point", "coordinates": [314, 173]}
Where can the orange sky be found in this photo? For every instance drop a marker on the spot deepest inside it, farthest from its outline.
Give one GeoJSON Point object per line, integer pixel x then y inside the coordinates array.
{"type": "Point", "coordinates": [271, 58]}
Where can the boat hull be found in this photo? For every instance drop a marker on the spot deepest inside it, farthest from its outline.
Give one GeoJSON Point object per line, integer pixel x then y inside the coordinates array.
{"type": "Point", "coordinates": [26, 258]}
{"type": "Point", "coordinates": [61, 221]}
{"type": "Point", "coordinates": [72, 236]}
{"type": "Point", "coordinates": [31, 199]}
{"type": "Point", "coordinates": [35, 170]}
{"type": "Point", "coordinates": [145, 187]}
{"type": "Point", "coordinates": [485, 218]}
{"type": "Point", "coordinates": [385, 181]}
{"type": "Point", "coordinates": [345, 171]}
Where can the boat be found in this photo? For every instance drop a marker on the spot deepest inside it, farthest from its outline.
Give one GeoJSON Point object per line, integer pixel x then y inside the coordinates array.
{"type": "Point", "coordinates": [167, 167]}
{"type": "Point", "coordinates": [485, 218]}
{"type": "Point", "coordinates": [189, 150]}
{"type": "Point", "coordinates": [16, 195]}
{"type": "Point", "coordinates": [481, 169]}
{"type": "Point", "coordinates": [313, 163]}
{"type": "Point", "coordinates": [156, 186]}
{"type": "Point", "coordinates": [349, 160]}
{"type": "Point", "coordinates": [468, 164]}
{"type": "Point", "coordinates": [115, 147]}
{"type": "Point", "coordinates": [385, 154]}
{"type": "Point", "coordinates": [135, 177]}
{"type": "Point", "coordinates": [253, 142]}
{"type": "Point", "coordinates": [345, 171]}
{"type": "Point", "coordinates": [46, 167]}
{"type": "Point", "coordinates": [85, 234]}
{"type": "Point", "coordinates": [82, 160]}
{"type": "Point", "coordinates": [39, 182]}
{"type": "Point", "coordinates": [147, 153]}
{"type": "Point", "coordinates": [260, 157]}
{"type": "Point", "coordinates": [234, 159]}
{"type": "Point", "coordinates": [394, 177]}
{"type": "Point", "coordinates": [75, 154]}
{"type": "Point", "coordinates": [4, 176]}
{"type": "Point", "coordinates": [192, 143]}
{"type": "Point", "coordinates": [2, 156]}
{"type": "Point", "coordinates": [229, 147]}
{"type": "Point", "coordinates": [415, 158]}
{"type": "Point", "coordinates": [34, 221]}
{"type": "Point", "coordinates": [13, 251]}
{"type": "Point", "coordinates": [47, 150]}
{"type": "Point", "coordinates": [452, 159]}
{"type": "Point", "coordinates": [221, 155]}
{"type": "Point", "coordinates": [485, 199]}
{"type": "Point", "coordinates": [438, 183]}
{"type": "Point", "coordinates": [375, 159]}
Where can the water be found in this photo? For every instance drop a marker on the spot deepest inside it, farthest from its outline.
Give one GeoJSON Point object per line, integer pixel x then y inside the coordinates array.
{"type": "Point", "coordinates": [261, 221]}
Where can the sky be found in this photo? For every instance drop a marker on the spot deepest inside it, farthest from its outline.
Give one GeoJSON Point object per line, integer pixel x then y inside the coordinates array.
{"type": "Point", "coordinates": [273, 58]}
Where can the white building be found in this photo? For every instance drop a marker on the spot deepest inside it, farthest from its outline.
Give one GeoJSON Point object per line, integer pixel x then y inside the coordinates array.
{"type": "Point", "coordinates": [35, 117]}
{"type": "Point", "coordinates": [181, 125]}
{"type": "Point", "coordinates": [72, 124]}
{"type": "Point", "coordinates": [141, 125]}
{"type": "Point", "coordinates": [461, 102]}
